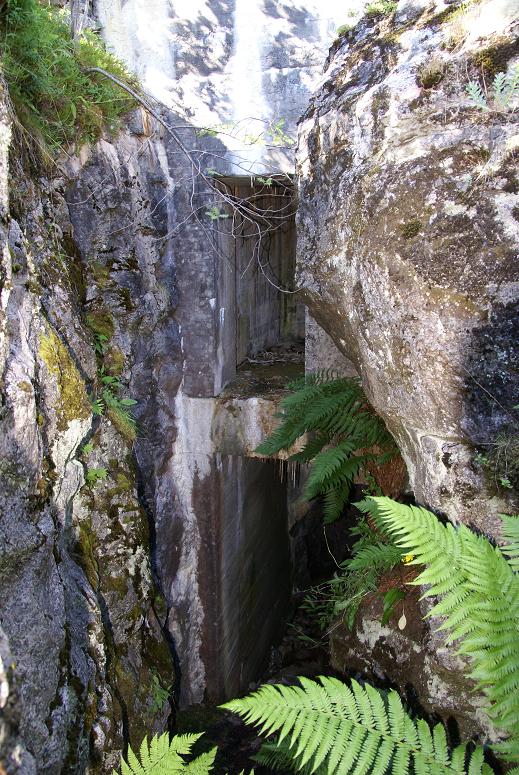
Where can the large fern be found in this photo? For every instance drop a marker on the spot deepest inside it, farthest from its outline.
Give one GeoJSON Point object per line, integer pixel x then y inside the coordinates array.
{"type": "Point", "coordinates": [479, 600]}
{"type": "Point", "coordinates": [330, 728]}
{"type": "Point", "coordinates": [162, 756]}
{"type": "Point", "coordinates": [342, 433]}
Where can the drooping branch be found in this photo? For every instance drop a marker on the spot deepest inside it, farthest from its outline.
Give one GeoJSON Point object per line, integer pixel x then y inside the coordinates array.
{"type": "Point", "coordinates": [263, 221]}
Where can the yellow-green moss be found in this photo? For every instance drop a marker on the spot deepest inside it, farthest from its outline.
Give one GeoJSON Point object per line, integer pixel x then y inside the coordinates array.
{"type": "Point", "coordinates": [101, 323]}
{"type": "Point", "coordinates": [100, 273]}
{"type": "Point", "coordinates": [123, 424]}
{"type": "Point", "coordinates": [411, 228]}
{"type": "Point", "coordinates": [494, 59]}
{"type": "Point", "coordinates": [114, 361]}
{"type": "Point", "coordinates": [85, 549]}
{"type": "Point", "coordinates": [123, 484]}
{"type": "Point", "coordinates": [74, 403]}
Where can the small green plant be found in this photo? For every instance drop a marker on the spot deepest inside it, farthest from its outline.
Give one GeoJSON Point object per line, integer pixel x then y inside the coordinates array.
{"type": "Point", "coordinates": [55, 97]}
{"type": "Point", "coordinates": [340, 597]}
{"type": "Point", "coordinates": [162, 756]}
{"type": "Point", "coordinates": [328, 727]}
{"type": "Point", "coordinates": [215, 214]}
{"type": "Point", "coordinates": [117, 409]}
{"type": "Point", "coordinates": [95, 475]}
{"type": "Point", "coordinates": [87, 449]}
{"type": "Point", "coordinates": [503, 96]}
{"type": "Point", "coordinates": [478, 592]}
{"type": "Point", "coordinates": [159, 694]}
{"type": "Point", "coordinates": [100, 344]}
{"type": "Point", "coordinates": [344, 29]}
{"type": "Point", "coordinates": [265, 181]}
{"type": "Point", "coordinates": [381, 8]}
{"type": "Point", "coordinates": [343, 434]}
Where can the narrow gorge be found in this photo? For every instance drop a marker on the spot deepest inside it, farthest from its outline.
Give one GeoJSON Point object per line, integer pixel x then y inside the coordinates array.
{"type": "Point", "coordinates": [256, 198]}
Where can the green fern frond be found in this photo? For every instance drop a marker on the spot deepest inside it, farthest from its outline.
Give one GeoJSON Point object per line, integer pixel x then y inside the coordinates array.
{"type": "Point", "coordinates": [378, 556]}
{"type": "Point", "coordinates": [277, 756]}
{"type": "Point", "coordinates": [476, 96]}
{"type": "Point", "coordinates": [510, 533]}
{"type": "Point", "coordinates": [162, 756]}
{"type": "Point", "coordinates": [311, 448]}
{"type": "Point", "coordinates": [326, 726]}
{"type": "Point", "coordinates": [335, 499]}
{"type": "Point", "coordinates": [479, 600]}
{"type": "Point", "coordinates": [335, 415]}
{"type": "Point", "coordinates": [328, 465]}
{"type": "Point", "coordinates": [202, 765]}
{"type": "Point", "coordinates": [510, 88]}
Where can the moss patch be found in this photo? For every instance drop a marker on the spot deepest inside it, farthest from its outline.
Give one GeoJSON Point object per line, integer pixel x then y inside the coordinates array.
{"type": "Point", "coordinates": [494, 59]}
{"type": "Point", "coordinates": [123, 422]}
{"type": "Point", "coordinates": [114, 361]}
{"type": "Point", "coordinates": [85, 550]}
{"type": "Point", "coordinates": [410, 229]}
{"type": "Point", "coordinates": [100, 273]}
{"type": "Point", "coordinates": [101, 323]}
{"type": "Point", "coordinates": [74, 403]}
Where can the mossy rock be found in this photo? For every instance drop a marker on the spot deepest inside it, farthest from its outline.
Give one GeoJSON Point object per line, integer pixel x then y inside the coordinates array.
{"type": "Point", "coordinates": [494, 59]}
{"type": "Point", "coordinates": [74, 403]}
{"type": "Point", "coordinates": [101, 323]}
{"type": "Point", "coordinates": [85, 549]}
{"type": "Point", "coordinates": [410, 229]}
{"type": "Point", "coordinates": [114, 361]}
{"type": "Point", "coordinates": [100, 273]}
{"type": "Point", "coordinates": [123, 423]}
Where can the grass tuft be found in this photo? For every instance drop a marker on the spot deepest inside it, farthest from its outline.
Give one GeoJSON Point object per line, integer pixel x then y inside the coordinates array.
{"type": "Point", "coordinates": [55, 99]}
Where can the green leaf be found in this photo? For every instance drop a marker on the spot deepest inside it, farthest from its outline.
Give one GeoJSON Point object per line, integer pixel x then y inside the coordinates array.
{"type": "Point", "coordinates": [391, 598]}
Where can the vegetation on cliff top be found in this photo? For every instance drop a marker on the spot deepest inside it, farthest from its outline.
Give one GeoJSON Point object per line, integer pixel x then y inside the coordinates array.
{"type": "Point", "coordinates": [55, 98]}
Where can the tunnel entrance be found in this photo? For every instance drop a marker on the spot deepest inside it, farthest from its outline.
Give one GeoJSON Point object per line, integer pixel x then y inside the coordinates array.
{"type": "Point", "coordinates": [262, 345]}
{"type": "Point", "coordinates": [243, 342]}
{"type": "Point", "coordinates": [262, 318]}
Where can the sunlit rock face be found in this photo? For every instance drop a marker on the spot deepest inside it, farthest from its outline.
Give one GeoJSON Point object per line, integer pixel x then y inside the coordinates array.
{"type": "Point", "coordinates": [408, 237]}
{"type": "Point", "coordinates": [82, 637]}
{"type": "Point", "coordinates": [243, 65]}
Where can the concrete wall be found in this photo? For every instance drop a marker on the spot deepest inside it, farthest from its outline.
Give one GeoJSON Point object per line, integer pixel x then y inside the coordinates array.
{"type": "Point", "coordinates": [244, 64]}
{"type": "Point", "coordinates": [257, 309]}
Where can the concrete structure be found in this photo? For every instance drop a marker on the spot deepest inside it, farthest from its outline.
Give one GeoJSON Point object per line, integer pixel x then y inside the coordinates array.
{"type": "Point", "coordinates": [238, 65]}
{"type": "Point", "coordinates": [245, 69]}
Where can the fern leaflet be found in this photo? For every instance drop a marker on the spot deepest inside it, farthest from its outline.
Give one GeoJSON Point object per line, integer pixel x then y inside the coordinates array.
{"type": "Point", "coordinates": [340, 428]}
{"type": "Point", "coordinates": [476, 96]}
{"type": "Point", "coordinates": [511, 535]}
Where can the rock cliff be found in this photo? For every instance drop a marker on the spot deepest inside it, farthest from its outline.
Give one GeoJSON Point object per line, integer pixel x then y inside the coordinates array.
{"type": "Point", "coordinates": [81, 615]}
{"type": "Point", "coordinates": [135, 527]}
{"type": "Point", "coordinates": [408, 239]}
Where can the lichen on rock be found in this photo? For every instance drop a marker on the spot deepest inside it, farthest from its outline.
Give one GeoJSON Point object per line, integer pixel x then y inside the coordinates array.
{"type": "Point", "coordinates": [73, 403]}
